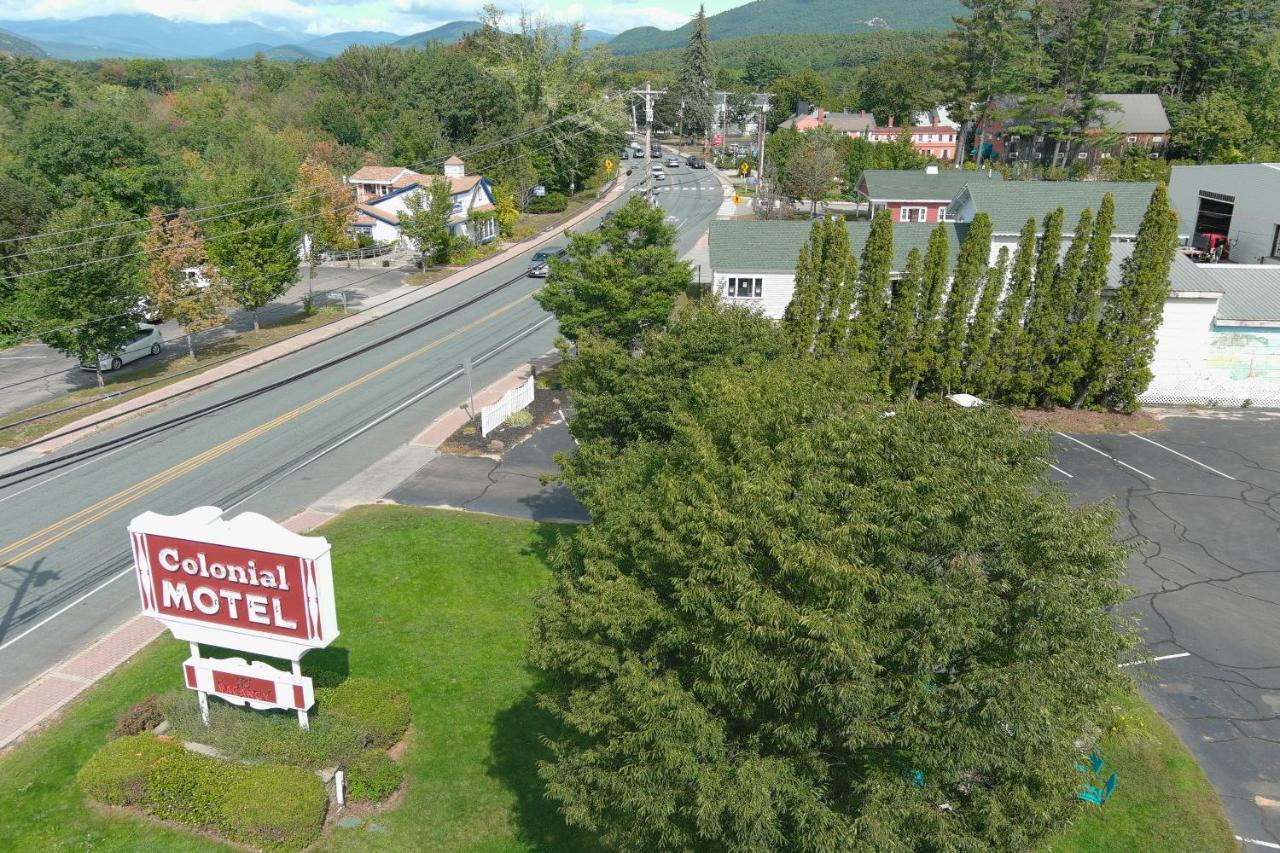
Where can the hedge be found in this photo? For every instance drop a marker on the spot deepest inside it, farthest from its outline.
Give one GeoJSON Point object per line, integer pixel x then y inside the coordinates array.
{"type": "Point", "coordinates": [266, 805]}
{"type": "Point", "coordinates": [552, 202]}
{"type": "Point", "coordinates": [378, 708]}
{"type": "Point", "coordinates": [372, 776]}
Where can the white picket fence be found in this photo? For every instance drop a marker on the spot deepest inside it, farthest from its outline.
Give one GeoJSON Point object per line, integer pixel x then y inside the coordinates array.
{"type": "Point", "coordinates": [491, 417]}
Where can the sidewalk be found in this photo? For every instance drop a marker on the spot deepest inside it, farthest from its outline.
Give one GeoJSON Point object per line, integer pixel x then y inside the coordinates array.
{"type": "Point", "coordinates": [38, 702]}
{"type": "Point", "coordinates": [378, 307]}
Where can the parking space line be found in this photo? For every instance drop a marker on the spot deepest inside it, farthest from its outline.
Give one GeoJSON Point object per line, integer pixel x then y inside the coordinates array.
{"type": "Point", "coordinates": [1153, 660]}
{"type": "Point", "coordinates": [1064, 473]}
{"type": "Point", "coordinates": [1271, 845]}
{"type": "Point", "coordinates": [1182, 455]}
{"type": "Point", "coordinates": [1108, 455]}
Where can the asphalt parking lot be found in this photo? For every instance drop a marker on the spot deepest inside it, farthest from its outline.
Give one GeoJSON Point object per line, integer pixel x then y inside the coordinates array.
{"type": "Point", "coordinates": [1200, 503]}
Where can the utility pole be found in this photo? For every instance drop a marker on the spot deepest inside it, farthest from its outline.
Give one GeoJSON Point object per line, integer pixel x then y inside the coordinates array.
{"type": "Point", "coordinates": [762, 101]}
{"type": "Point", "coordinates": [648, 93]}
{"type": "Point", "coordinates": [722, 104]}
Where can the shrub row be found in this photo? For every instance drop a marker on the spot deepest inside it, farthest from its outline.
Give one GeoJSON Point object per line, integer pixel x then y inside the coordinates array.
{"type": "Point", "coordinates": [552, 202]}
{"type": "Point", "coordinates": [354, 715]}
{"type": "Point", "coordinates": [265, 805]}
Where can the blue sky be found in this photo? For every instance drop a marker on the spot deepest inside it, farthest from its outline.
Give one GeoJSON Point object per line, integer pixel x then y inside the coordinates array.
{"type": "Point", "coordinates": [321, 17]}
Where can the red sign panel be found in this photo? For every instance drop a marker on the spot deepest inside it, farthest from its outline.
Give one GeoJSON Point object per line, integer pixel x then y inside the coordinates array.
{"type": "Point", "coordinates": [231, 587]}
{"type": "Point", "coordinates": [247, 687]}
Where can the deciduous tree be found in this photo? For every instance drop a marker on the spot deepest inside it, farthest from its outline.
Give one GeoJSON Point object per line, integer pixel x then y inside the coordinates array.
{"type": "Point", "coordinates": [175, 245]}
{"type": "Point", "coordinates": [923, 359]}
{"type": "Point", "coordinates": [971, 268]}
{"type": "Point", "coordinates": [1006, 345]}
{"type": "Point", "coordinates": [1071, 382]}
{"type": "Point", "coordinates": [901, 336]}
{"type": "Point", "coordinates": [426, 222]}
{"type": "Point", "coordinates": [979, 368]}
{"type": "Point", "coordinates": [873, 285]}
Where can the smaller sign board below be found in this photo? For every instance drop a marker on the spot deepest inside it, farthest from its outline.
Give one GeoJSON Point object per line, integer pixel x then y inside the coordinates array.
{"type": "Point", "coordinates": [252, 683]}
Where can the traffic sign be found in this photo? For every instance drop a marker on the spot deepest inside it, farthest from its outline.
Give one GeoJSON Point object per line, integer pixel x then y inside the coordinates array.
{"type": "Point", "coordinates": [744, 168]}
{"type": "Point", "coordinates": [608, 165]}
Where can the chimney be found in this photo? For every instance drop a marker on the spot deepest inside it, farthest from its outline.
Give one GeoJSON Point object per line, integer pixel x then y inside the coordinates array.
{"type": "Point", "coordinates": [802, 108]}
{"type": "Point", "coordinates": [890, 121]}
{"type": "Point", "coordinates": [822, 115]}
{"type": "Point", "coordinates": [454, 167]}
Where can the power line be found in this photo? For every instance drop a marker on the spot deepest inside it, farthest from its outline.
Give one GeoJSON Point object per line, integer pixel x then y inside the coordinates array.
{"type": "Point", "coordinates": [478, 149]}
{"type": "Point", "coordinates": [274, 223]}
{"type": "Point", "coordinates": [352, 206]}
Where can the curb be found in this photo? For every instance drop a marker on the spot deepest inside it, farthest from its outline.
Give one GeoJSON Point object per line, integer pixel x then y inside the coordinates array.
{"type": "Point", "coordinates": [38, 702]}
{"type": "Point", "coordinates": [90, 424]}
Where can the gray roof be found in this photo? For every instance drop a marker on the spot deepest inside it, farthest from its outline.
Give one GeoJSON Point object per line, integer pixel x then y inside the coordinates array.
{"type": "Point", "coordinates": [773, 246]}
{"type": "Point", "coordinates": [1135, 114]}
{"type": "Point", "coordinates": [1185, 275]}
{"type": "Point", "coordinates": [843, 122]}
{"type": "Point", "coordinates": [1011, 203]}
{"type": "Point", "coordinates": [1249, 293]}
{"type": "Point", "coordinates": [918, 185]}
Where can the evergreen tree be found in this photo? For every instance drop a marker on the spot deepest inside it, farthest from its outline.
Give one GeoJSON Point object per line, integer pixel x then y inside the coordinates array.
{"type": "Point", "coordinates": [971, 267]}
{"type": "Point", "coordinates": [696, 85]}
{"type": "Point", "coordinates": [1045, 307]}
{"type": "Point", "coordinates": [923, 357]}
{"type": "Point", "coordinates": [800, 319]}
{"type": "Point", "coordinates": [800, 625]}
{"type": "Point", "coordinates": [901, 332]}
{"type": "Point", "coordinates": [1071, 382]}
{"type": "Point", "coordinates": [1005, 347]}
{"type": "Point", "coordinates": [873, 286]}
{"type": "Point", "coordinates": [1130, 318]}
{"type": "Point", "coordinates": [978, 365]}
{"type": "Point", "coordinates": [1050, 324]}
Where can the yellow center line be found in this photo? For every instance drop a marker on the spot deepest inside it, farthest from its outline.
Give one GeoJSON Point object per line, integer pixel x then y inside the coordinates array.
{"type": "Point", "coordinates": [61, 529]}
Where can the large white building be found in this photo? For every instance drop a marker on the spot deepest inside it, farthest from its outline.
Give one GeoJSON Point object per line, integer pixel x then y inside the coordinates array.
{"type": "Point", "coordinates": [382, 194]}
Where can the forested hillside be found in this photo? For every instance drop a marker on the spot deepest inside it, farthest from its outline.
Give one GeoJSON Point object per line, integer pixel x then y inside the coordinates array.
{"type": "Point", "coordinates": [12, 45]}
{"type": "Point", "coordinates": [765, 17]}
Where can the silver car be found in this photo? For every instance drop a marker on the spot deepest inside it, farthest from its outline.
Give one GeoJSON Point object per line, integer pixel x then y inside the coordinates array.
{"type": "Point", "coordinates": [540, 263]}
{"type": "Point", "coordinates": [147, 341]}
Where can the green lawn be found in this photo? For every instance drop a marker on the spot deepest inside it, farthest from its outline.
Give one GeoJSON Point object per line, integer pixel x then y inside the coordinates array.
{"type": "Point", "coordinates": [437, 602]}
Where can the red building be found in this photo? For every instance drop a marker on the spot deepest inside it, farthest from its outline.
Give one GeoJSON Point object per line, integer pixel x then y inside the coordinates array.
{"type": "Point", "coordinates": [935, 140]}
{"type": "Point", "coordinates": [916, 196]}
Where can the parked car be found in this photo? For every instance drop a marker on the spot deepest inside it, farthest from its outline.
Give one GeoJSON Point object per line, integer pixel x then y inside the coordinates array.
{"type": "Point", "coordinates": [696, 163]}
{"type": "Point", "coordinates": [623, 154]}
{"type": "Point", "coordinates": [540, 263]}
{"type": "Point", "coordinates": [147, 341]}
{"type": "Point", "coordinates": [673, 162]}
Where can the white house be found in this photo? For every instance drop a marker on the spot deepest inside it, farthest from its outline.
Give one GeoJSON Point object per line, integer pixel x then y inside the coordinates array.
{"type": "Point", "coordinates": [382, 193]}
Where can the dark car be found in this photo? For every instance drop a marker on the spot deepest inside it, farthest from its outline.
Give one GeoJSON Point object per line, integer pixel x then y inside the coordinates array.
{"type": "Point", "coordinates": [540, 263]}
{"type": "Point", "coordinates": [655, 151]}
{"type": "Point", "coordinates": [696, 163]}
{"type": "Point", "coordinates": [622, 155]}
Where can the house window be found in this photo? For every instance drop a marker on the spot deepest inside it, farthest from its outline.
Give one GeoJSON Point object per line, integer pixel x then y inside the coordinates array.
{"type": "Point", "coordinates": [913, 214]}
{"type": "Point", "coordinates": [1157, 139]}
{"type": "Point", "coordinates": [946, 216]}
{"type": "Point", "coordinates": [745, 288]}
{"type": "Point", "coordinates": [1133, 139]}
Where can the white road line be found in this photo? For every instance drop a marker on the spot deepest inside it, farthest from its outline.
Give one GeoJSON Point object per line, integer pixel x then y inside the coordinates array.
{"type": "Point", "coordinates": [1270, 845]}
{"type": "Point", "coordinates": [1108, 455]}
{"type": "Point", "coordinates": [20, 357]}
{"type": "Point", "coordinates": [46, 620]}
{"type": "Point", "coordinates": [1060, 471]}
{"type": "Point", "coordinates": [1153, 660]}
{"type": "Point", "coordinates": [1182, 455]}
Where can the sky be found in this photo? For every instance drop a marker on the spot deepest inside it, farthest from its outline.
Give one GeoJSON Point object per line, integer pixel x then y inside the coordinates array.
{"type": "Point", "coordinates": [321, 17]}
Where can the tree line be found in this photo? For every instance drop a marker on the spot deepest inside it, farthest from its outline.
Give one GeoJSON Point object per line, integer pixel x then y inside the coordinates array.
{"type": "Point", "coordinates": [255, 152]}
{"type": "Point", "coordinates": [798, 621]}
{"type": "Point", "coordinates": [1039, 327]}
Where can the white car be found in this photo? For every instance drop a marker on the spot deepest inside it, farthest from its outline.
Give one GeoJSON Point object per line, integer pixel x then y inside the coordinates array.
{"type": "Point", "coordinates": [659, 176]}
{"type": "Point", "coordinates": [673, 162]}
{"type": "Point", "coordinates": [147, 341]}
{"type": "Point", "coordinates": [656, 168]}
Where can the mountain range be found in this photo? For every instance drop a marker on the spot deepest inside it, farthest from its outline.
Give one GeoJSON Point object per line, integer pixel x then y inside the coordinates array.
{"type": "Point", "coordinates": [772, 17]}
{"type": "Point", "coordinates": [141, 35]}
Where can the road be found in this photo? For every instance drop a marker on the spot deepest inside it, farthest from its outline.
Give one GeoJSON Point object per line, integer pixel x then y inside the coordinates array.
{"type": "Point", "coordinates": [64, 562]}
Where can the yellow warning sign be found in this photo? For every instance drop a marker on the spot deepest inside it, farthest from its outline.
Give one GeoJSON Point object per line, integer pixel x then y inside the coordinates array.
{"type": "Point", "coordinates": [744, 168]}
{"type": "Point", "coordinates": [737, 199]}
{"type": "Point", "coordinates": [608, 165]}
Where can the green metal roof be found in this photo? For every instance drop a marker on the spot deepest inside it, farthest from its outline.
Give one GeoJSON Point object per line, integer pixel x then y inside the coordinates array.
{"type": "Point", "coordinates": [918, 185]}
{"type": "Point", "coordinates": [1011, 203]}
{"type": "Point", "coordinates": [1249, 293]}
{"type": "Point", "coordinates": [773, 246]}
{"type": "Point", "coordinates": [1185, 275]}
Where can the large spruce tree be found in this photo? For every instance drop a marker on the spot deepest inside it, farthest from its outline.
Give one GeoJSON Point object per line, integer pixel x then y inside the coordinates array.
{"type": "Point", "coordinates": [971, 270]}
{"type": "Point", "coordinates": [800, 625]}
{"type": "Point", "coordinates": [923, 360]}
{"type": "Point", "coordinates": [979, 368]}
{"type": "Point", "coordinates": [1127, 332]}
{"type": "Point", "coordinates": [873, 285]}
{"type": "Point", "coordinates": [1006, 345]}
{"type": "Point", "coordinates": [695, 87]}
{"type": "Point", "coordinates": [1072, 380]}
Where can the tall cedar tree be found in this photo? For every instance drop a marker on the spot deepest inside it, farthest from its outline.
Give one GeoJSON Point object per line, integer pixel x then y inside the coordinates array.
{"type": "Point", "coordinates": [971, 268]}
{"type": "Point", "coordinates": [729, 647]}
{"type": "Point", "coordinates": [1050, 327]}
{"type": "Point", "coordinates": [873, 287]}
{"type": "Point", "coordinates": [81, 296]}
{"type": "Point", "coordinates": [923, 358]}
{"type": "Point", "coordinates": [1035, 345]}
{"type": "Point", "coordinates": [979, 368]}
{"type": "Point", "coordinates": [817, 318]}
{"type": "Point", "coordinates": [697, 80]}
{"type": "Point", "coordinates": [1072, 382]}
{"type": "Point", "coordinates": [900, 337]}
{"type": "Point", "coordinates": [1130, 318]}
{"type": "Point", "coordinates": [174, 245]}
{"type": "Point", "coordinates": [619, 279]}
{"type": "Point", "coordinates": [1005, 346]}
